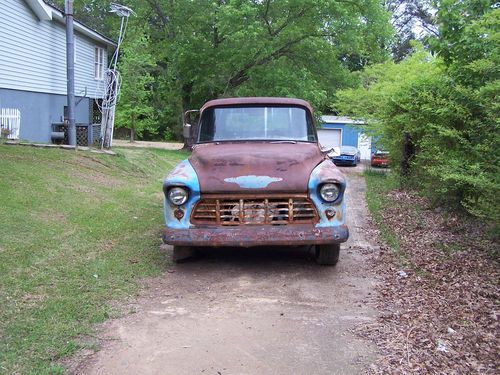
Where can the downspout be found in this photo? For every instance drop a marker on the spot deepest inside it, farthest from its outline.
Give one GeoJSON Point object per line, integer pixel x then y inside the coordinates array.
{"type": "Point", "coordinates": [70, 71]}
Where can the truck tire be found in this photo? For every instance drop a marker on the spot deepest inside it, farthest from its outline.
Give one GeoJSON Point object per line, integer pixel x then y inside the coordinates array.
{"type": "Point", "coordinates": [327, 255]}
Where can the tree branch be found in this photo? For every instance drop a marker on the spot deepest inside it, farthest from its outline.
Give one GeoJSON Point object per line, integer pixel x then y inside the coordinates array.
{"type": "Point", "coordinates": [268, 24]}
{"type": "Point", "coordinates": [163, 17]}
{"type": "Point", "coordinates": [242, 75]}
{"type": "Point", "coordinates": [287, 22]}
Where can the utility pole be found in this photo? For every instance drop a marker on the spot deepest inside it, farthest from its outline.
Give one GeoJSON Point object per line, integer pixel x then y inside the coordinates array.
{"type": "Point", "coordinates": [70, 71]}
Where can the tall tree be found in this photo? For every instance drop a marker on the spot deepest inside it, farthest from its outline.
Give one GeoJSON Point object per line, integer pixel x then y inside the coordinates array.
{"type": "Point", "coordinates": [205, 49]}
{"type": "Point", "coordinates": [413, 20]}
{"type": "Point", "coordinates": [306, 48]}
{"type": "Point", "coordinates": [134, 109]}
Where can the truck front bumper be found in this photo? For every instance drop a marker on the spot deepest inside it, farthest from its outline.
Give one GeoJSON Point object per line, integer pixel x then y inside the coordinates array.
{"type": "Point", "coordinates": [256, 235]}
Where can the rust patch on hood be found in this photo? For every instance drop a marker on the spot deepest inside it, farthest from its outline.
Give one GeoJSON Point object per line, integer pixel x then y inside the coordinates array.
{"type": "Point", "coordinates": [253, 166]}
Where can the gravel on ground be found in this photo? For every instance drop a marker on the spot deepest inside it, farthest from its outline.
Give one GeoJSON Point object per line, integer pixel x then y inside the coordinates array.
{"type": "Point", "coordinates": [250, 311]}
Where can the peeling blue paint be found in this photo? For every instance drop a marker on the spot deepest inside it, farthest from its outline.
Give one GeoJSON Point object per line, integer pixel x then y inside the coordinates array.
{"type": "Point", "coordinates": [321, 175]}
{"type": "Point", "coordinates": [183, 175]}
{"type": "Point", "coordinates": [252, 181]}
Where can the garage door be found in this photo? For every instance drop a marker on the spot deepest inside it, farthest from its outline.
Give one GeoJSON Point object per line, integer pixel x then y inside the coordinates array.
{"type": "Point", "coordinates": [330, 137]}
{"type": "Point", "coordinates": [365, 146]}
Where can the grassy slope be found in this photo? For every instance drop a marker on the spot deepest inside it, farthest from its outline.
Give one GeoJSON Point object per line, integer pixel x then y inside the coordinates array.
{"type": "Point", "coordinates": [76, 230]}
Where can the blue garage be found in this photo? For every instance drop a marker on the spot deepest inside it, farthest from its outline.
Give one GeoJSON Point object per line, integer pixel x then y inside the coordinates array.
{"type": "Point", "coordinates": [336, 131]}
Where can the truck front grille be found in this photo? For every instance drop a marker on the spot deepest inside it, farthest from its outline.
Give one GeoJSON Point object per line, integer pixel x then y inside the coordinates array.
{"type": "Point", "coordinates": [247, 210]}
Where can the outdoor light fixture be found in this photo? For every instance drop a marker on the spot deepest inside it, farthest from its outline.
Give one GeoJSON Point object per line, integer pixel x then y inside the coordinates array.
{"type": "Point", "coordinates": [121, 10]}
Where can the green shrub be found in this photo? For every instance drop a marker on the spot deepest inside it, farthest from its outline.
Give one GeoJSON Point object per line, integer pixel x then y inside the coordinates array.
{"type": "Point", "coordinates": [448, 106]}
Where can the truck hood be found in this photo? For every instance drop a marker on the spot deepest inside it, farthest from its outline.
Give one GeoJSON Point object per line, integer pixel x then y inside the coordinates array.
{"type": "Point", "coordinates": [252, 167]}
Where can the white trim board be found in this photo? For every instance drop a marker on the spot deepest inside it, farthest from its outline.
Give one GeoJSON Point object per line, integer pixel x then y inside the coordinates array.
{"type": "Point", "coordinates": [327, 119]}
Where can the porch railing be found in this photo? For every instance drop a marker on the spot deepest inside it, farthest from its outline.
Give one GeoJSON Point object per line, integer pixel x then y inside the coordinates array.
{"type": "Point", "coordinates": [10, 123]}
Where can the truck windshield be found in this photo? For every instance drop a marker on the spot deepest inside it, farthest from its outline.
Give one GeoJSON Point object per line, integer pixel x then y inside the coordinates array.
{"type": "Point", "coordinates": [256, 123]}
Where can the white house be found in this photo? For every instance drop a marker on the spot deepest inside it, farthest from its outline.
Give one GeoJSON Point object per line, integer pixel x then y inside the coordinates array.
{"type": "Point", "coordinates": [33, 66]}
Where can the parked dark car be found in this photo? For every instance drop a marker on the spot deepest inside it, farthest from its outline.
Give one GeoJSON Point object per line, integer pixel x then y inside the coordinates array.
{"type": "Point", "coordinates": [349, 155]}
{"type": "Point", "coordinates": [256, 177]}
{"type": "Point", "coordinates": [380, 158]}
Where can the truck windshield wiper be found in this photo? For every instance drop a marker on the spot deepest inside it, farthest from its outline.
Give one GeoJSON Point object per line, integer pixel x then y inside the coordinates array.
{"type": "Point", "coordinates": [284, 141]}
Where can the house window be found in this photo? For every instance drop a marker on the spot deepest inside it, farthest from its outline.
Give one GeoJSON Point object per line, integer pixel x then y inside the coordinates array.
{"type": "Point", "coordinates": [98, 63]}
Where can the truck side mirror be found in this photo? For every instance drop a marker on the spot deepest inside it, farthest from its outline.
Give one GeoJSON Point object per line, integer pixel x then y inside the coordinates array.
{"type": "Point", "coordinates": [327, 150]}
{"type": "Point", "coordinates": [187, 128]}
{"type": "Point", "coordinates": [186, 131]}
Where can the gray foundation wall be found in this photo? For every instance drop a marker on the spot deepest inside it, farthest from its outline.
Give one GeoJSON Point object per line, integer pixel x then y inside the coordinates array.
{"type": "Point", "coordinates": [40, 110]}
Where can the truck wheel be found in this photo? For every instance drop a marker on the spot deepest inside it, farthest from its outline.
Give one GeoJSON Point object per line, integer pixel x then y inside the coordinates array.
{"type": "Point", "coordinates": [327, 255]}
{"type": "Point", "coordinates": [183, 253]}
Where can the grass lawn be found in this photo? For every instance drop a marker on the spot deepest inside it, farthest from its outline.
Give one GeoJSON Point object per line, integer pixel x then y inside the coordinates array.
{"type": "Point", "coordinates": [77, 230]}
{"type": "Point", "coordinates": [379, 183]}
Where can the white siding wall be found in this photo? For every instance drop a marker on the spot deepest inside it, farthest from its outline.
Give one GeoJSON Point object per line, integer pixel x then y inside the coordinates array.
{"type": "Point", "coordinates": [33, 54]}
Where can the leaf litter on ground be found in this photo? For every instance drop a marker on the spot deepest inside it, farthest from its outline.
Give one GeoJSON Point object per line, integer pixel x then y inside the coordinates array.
{"type": "Point", "coordinates": [439, 292]}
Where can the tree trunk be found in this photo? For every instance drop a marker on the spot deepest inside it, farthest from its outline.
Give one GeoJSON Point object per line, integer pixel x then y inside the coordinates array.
{"type": "Point", "coordinates": [132, 129]}
{"type": "Point", "coordinates": [408, 152]}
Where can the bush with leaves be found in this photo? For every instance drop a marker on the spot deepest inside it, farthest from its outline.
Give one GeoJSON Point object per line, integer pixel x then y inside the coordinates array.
{"type": "Point", "coordinates": [448, 105]}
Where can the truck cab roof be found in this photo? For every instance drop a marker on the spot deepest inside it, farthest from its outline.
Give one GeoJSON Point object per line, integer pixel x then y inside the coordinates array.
{"type": "Point", "coordinates": [257, 101]}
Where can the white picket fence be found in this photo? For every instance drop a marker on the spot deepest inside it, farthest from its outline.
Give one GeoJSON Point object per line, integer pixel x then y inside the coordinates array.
{"type": "Point", "coordinates": [10, 122]}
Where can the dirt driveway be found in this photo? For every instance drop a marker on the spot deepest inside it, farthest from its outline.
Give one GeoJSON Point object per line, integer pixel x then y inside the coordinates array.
{"type": "Point", "coordinates": [146, 144]}
{"type": "Point", "coordinates": [251, 311]}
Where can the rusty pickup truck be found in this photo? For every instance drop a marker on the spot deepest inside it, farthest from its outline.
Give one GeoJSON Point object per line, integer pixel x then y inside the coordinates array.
{"type": "Point", "coordinates": [256, 177]}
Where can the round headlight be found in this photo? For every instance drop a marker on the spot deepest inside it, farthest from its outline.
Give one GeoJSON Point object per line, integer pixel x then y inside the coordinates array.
{"type": "Point", "coordinates": [177, 196]}
{"type": "Point", "coordinates": [329, 192]}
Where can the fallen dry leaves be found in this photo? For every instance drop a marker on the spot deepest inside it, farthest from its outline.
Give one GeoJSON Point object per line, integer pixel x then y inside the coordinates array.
{"type": "Point", "coordinates": [439, 294]}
